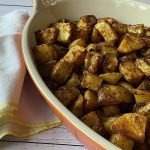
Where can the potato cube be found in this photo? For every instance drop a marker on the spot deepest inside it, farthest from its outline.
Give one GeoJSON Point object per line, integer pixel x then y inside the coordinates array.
{"type": "Point", "coordinates": [108, 122]}
{"type": "Point", "coordinates": [122, 141]}
{"type": "Point", "coordinates": [143, 109]}
{"type": "Point", "coordinates": [106, 31]}
{"type": "Point", "coordinates": [141, 96]}
{"type": "Point", "coordinates": [61, 71]}
{"type": "Point", "coordinates": [130, 43]}
{"type": "Point", "coordinates": [131, 72]}
{"type": "Point", "coordinates": [79, 42]}
{"type": "Point", "coordinates": [48, 35]}
{"type": "Point", "coordinates": [44, 53]}
{"type": "Point", "coordinates": [143, 65]}
{"type": "Point", "coordinates": [94, 121]}
{"type": "Point", "coordinates": [120, 28]}
{"type": "Point", "coordinates": [110, 63]}
{"type": "Point", "coordinates": [127, 86]}
{"type": "Point", "coordinates": [145, 85]}
{"type": "Point", "coordinates": [65, 32]}
{"type": "Point", "coordinates": [111, 78]}
{"type": "Point", "coordinates": [77, 108]}
{"type": "Point", "coordinates": [45, 69]}
{"type": "Point", "coordinates": [108, 50]}
{"type": "Point", "coordinates": [132, 125]}
{"type": "Point", "coordinates": [93, 62]}
{"type": "Point", "coordinates": [96, 36]}
{"type": "Point", "coordinates": [74, 81]}
{"type": "Point", "coordinates": [108, 19]}
{"type": "Point", "coordinates": [136, 29]}
{"type": "Point", "coordinates": [113, 95]}
{"type": "Point", "coordinates": [67, 95]}
{"type": "Point", "coordinates": [85, 26]}
{"type": "Point", "coordinates": [111, 110]}
{"type": "Point", "coordinates": [91, 81]}
{"type": "Point", "coordinates": [91, 102]}
{"type": "Point", "coordinates": [75, 55]}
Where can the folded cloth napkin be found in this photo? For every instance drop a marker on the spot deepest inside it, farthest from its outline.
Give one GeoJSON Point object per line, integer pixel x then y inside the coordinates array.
{"type": "Point", "coordinates": [23, 112]}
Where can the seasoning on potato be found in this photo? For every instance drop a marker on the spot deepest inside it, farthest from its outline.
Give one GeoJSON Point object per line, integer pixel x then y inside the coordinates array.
{"type": "Point", "coordinates": [100, 70]}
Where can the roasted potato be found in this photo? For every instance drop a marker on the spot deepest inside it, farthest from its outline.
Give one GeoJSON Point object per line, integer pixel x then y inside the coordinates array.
{"type": "Point", "coordinates": [108, 50]}
{"type": "Point", "coordinates": [61, 71]}
{"type": "Point", "coordinates": [130, 43]}
{"type": "Point", "coordinates": [74, 81]}
{"type": "Point", "coordinates": [44, 53]}
{"type": "Point", "coordinates": [108, 19]}
{"type": "Point", "coordinates": [79, 42]}
{"type": "Point", "coordinates": [143, 109]}
{"type": "Point", "coordinates": [61, 51]}
{"type": "Point", "coordinates": [131, 72]}
{"type": "Point", "coordinates": [45, 69]}
{"type": "Point", "coordinates": [85, 26]}
{"type": "Point", "coordinates": [136, 29]}
{"type": "Point", "coordinates": [93, 47]}
{"type": "Point", "coordinates": [143, 65]}
{"type": "Point", "coordinates": [91, 81]}
{"type": "Point", "coordinates": [110, 63]}
{"type": "Point", "coordinates": [93, 62]}
{"type": "Point", "coordinates": [132, 125]}
{"type": "Point", "coordinates": [91, 102]}
{"type": "Point", "coordinates": [111, 78]}
{"type": "Point", "coordinates": [75, 55]}
{"type": "Point", "coordinates": [120, 28]}
{"type": "Point", "coordinates": [111, 110]}
{"type": "Point", "coordinates": [122, 141]}
{"type": "Point", "coordinates": [130, 56]}
{"type": "Point", "coordinates": [65, 32]}
{"type": "Point", "coordinates": [48, 35]}
{"type": "Point", "coordinates": [113, 94]}
{"type": "Point", "coordinates": [96, 36]}
{"type": "Point", "coordinates": [67, 95]}
{"type": "Point", "coordinates": [145, 53]}
{"type": "Point", "coordinates": [94, 121]}
{"type": "Point", "coordinates": [145, 85]}
{"type": "Point", "coordinates": [146, 40]}
{"type": "Point", "coordinates": [141, 96]}
{"type": "Point", "coordinates": [108, 122]}
{"type": "Point", "coordinates": [127, 86]}
{"type": "Point", "coordinates": [147, 31]}
{"type": "Point", "coordinates": [106, 31]}
{"type": "Point", "coordinates": [78, 107]}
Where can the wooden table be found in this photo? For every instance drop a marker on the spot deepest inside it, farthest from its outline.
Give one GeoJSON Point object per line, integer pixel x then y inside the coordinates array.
{"type": "Point", "coordinates": [53, 139]}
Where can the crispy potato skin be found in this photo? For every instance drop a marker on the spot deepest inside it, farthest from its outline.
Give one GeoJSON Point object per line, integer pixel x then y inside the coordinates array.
{"type": "Point", "coordinates": [93, 62]}
{"type": "Point", "coordinates": [130, 43]}
{"type": "Point", "coordinates": [111, 78]}
{"type": "Point", "coordinates": [132, 125]}
{"type": "Point", "coordinates": [110, 63]}
{"type": "Point", "coordinates": [131, 72]}
{"type": "Point", "coordinates": [96, 36]}
{"type": "Point", "coordinates": [91, 81]}
{"type": "Point", "coordinates": [113, 94]}
{"type": "Point", "coordinates": [122, 141]}
{"type": "Point", "coordinates": [61, 71]}
{"type": "Point", "coordinates": [67, 95]}
{"type": "Point", "coordinates": [79, 42]}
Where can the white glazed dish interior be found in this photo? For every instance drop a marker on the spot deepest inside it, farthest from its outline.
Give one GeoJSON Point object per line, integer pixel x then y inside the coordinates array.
{"type": "Point", "coordinates": [126, 11]}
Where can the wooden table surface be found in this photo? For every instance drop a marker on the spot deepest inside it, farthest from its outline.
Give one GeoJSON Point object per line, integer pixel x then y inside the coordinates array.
{"type": "Point", "coordinates": [53, 139]}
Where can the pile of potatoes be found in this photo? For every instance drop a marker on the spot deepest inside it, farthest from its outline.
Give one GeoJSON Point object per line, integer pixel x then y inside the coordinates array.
{"type": "Point", "coordinates": [100, 70]}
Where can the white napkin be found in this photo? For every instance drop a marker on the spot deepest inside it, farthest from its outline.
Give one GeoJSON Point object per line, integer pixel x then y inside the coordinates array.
{"type": "Point", "coordinates": [23, 111]}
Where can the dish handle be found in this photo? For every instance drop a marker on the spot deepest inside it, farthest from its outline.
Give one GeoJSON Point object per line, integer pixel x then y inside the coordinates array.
{"type": "Point", "coordinates": [40, 4]}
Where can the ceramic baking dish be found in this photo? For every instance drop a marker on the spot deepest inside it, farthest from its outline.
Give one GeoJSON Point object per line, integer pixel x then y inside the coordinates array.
{"type": "Point", "coordinates": [48, 11]}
